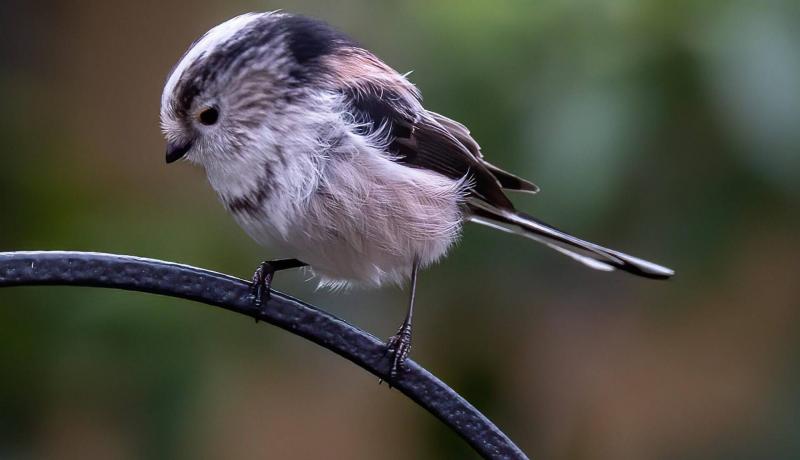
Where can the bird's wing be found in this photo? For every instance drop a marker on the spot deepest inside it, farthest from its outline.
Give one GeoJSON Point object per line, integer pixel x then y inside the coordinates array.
{"type": "Point", "coordinates": [507, 180]}
{"type": "Point", "coordinates": [423, 139]}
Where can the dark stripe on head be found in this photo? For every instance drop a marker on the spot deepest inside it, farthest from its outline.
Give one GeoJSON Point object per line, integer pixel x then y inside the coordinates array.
{"type": "Point", "coordinates": [307, 39]}
{"type": "Point", "coordinates": [310, 39]}
{"type": "Point", "coordinates": [235, 53]}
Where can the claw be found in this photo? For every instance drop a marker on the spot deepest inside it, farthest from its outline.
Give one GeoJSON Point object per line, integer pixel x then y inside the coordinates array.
{"type": "Point", "coordinates": [399, 345]}
{"type": "Point", "coordinates": [262, 281]}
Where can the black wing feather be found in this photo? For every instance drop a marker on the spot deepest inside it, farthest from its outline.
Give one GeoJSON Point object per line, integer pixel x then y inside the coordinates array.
{"type": "Point", "coordinates": [507, 180]}
{"type": "Point", "coordinates": [419, 140]}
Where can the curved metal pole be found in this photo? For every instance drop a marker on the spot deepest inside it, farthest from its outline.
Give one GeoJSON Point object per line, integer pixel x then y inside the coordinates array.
{"type": "Point", "coordinates": [186, 282]}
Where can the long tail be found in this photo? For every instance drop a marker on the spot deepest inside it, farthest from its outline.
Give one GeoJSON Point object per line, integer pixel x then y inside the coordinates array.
{"type": "Point", "coordinates": [590, 254]}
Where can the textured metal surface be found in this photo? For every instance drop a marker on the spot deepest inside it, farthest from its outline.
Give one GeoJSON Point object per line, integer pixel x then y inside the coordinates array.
{"type": "Point", "coordinates": [367, 351]}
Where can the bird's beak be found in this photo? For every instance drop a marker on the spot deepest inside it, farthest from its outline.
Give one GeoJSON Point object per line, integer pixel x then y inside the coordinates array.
{"type": "Point", "coordinates": [177, 150]}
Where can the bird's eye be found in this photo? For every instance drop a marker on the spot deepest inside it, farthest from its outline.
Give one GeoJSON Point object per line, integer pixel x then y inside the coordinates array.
{"type": "Point", "coordinates": [209, 116]}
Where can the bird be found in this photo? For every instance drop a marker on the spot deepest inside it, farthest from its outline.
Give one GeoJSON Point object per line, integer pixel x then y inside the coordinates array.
{"type": "Point", "coordinates": [324, 153]}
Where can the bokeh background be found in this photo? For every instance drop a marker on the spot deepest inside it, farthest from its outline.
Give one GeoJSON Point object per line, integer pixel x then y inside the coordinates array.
{"type": "Point", "coordinates": [667, 129]}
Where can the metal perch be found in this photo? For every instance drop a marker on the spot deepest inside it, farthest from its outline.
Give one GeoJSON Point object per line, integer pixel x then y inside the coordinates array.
{"type": "Point", "coordinates": [230, 293]}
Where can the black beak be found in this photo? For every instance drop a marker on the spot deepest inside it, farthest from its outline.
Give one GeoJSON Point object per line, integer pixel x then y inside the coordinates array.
{"type": "Point", "coordinates": [176, 151]}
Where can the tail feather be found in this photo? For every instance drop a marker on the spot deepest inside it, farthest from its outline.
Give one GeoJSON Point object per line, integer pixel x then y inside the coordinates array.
{"type": "Point", "coordinates": [589, 254]}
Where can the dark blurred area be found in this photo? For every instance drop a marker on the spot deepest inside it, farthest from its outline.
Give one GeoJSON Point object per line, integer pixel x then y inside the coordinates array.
{"type": "Point", "coordinates": [666, 129]}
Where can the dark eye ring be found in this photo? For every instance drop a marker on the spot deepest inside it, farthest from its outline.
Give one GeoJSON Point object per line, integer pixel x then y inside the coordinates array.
{"type": "Point", "coordinates": [209, 116]}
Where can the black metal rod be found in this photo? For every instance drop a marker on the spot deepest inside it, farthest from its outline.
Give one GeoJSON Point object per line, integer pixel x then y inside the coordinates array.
{"type": "Point", "coordinates": [186, 282]}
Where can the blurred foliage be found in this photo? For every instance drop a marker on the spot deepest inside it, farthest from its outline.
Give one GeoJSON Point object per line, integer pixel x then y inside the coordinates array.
{"type": "Point", "coordinates": [669, 129]}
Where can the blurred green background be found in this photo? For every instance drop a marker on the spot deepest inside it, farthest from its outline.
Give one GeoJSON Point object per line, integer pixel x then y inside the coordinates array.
{"type": "Point", "coordinates": [669, 129]}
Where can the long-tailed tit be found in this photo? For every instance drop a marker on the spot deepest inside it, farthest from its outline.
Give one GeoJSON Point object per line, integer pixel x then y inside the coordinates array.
{"type": "Point", "coordinates": [323, 152]}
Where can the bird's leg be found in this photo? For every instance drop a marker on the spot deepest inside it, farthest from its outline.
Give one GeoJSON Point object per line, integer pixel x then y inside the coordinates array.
{"type": "Point", "coordinates": [262, 278]}
{"type": "Point", "coordinates": [399, 345]}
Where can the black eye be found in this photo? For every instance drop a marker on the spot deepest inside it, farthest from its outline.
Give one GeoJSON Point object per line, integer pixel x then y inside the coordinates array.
{"type": "Point", "coordinates": [209, 116]}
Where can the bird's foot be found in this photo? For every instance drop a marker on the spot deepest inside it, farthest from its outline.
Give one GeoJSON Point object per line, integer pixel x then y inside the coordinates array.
{"type": "Point", "coordinates": [262, 280]}
{"type": "Point", "coordinates": [399, 346]}
{"type": "Point", "coordinates": [262, 283]}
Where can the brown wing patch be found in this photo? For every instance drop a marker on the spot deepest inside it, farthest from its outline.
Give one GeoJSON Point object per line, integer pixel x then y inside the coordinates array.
{"type": "Point", "coordinates": [360, 71]}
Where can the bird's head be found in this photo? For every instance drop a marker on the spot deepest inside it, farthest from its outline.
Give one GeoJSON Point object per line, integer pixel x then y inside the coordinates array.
{"type": "Point", "coordinates": [237, 87]}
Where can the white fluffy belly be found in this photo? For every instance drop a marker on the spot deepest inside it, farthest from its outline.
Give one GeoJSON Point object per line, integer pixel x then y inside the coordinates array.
{"type": "Point", "coordinates": [365, 222]}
